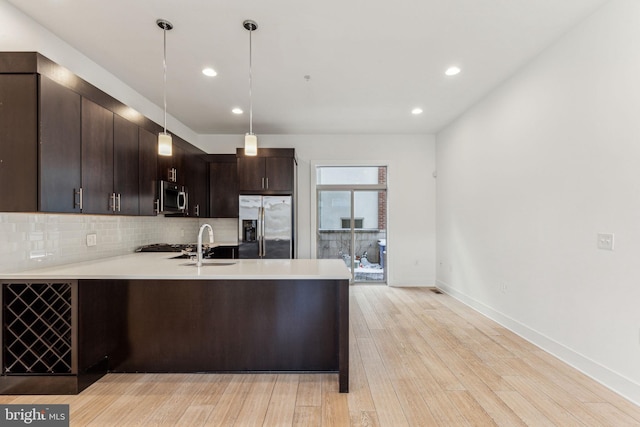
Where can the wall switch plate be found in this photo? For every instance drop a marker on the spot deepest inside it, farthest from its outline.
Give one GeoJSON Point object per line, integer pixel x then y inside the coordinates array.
{"type": "Point", "coordinates": [605, 241]}
{"type": "Point", "coordinates": [92, 239]}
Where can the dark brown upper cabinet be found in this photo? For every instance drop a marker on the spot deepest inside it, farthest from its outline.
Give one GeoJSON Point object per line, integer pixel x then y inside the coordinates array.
{"type": "Point", "coordinates": [60, 148]}
{"type": "Point", "coordinates": [187, 167]}
{"type": "Point", "coordinates": [40, 159]}
{"type": "Point", "coordinates": [223, 186]}
{"type": "Point", "coordinates": [125, 166]}
{"type": "Point", "coordinates": [18, 142]}
{"type": "Point", "coordinates": [272, 171]}
{"type": "Point", "coordinates": [197, 183]}
{"type": "Point", "coordinates": [97, 159]}
{"type": "Point", "coordinates": [109, 162]}
{"type": "Point", "coordinates": [148, 171]}
{"type": "Point", "coordinates": [66, 146]}
{"type": "Point", "coordinates": [171, 168]}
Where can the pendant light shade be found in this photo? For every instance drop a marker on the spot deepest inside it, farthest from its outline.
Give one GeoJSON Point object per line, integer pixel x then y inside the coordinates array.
{"type": "Point", "coordinates": [250, 139]}
{"type": "Point", "coordinates": [250, 145]}
{"type": "Point", "coordinates": [165, 143]}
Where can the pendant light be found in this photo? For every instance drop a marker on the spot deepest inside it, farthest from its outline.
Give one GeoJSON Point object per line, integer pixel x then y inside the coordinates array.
{"type": "Point", "coordinates": [250, 139]}
{"type": "Point", "coordinates": [164, 139]}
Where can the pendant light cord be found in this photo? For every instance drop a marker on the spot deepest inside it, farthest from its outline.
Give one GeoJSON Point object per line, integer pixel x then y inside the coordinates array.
{"type": "Point", "coordinates": [164, 65]}
{"type": "Point", "coordinates": [250, 85]}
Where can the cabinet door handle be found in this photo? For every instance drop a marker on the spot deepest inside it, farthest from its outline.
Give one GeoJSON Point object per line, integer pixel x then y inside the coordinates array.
{"type": "Point", "coordinates": [79, 203]}
{"type": "Point", "coordinates": [118, 200]}
{"type": "Point", "coordinates": [112, 202]}
{"type": "Point", "coordinates": [267, 183]}
{"type": "Point", "coordinates": [197, 210]}
{"type": "Point", "coordinates": [263, 250]}
{"type": "Point", "coordinates": [263, 182]}
{"type": "Point", "coordinates": [156, 207]}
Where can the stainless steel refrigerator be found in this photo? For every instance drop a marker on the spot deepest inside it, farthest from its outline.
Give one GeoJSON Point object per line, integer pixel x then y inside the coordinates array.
{"type": "Point", "coordinates": [265, 227]}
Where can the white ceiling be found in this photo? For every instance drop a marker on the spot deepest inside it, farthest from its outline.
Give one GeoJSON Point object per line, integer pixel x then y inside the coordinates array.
{"type": "Point", "coordinates": [369, 62]}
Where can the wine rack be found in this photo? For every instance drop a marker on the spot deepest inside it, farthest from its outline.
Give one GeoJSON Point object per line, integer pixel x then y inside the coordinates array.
{"type": "Point", "coordinates": [37, 328]}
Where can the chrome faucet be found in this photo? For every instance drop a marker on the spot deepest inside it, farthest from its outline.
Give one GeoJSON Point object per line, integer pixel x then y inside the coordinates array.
{"type": "Point", "coordinates": [199, 248]}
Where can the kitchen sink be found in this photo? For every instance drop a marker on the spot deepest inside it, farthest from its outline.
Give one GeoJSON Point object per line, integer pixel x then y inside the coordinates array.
{"type": "Point", "coordinates": [207, 255]}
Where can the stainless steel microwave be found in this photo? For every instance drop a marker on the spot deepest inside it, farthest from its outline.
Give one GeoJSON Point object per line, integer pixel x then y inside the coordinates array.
{"type": "Point", "coordinates": [172, 198]}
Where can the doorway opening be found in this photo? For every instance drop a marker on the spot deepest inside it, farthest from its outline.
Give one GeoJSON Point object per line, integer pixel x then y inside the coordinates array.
{"type": "Point", "coordinates": [352, 219]}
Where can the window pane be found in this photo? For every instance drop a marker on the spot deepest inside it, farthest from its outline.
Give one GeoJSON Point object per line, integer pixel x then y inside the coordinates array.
{"type": "Point", "coordinates": [333, 207]}
{"type": "Point", "coordinates": [344, 175]}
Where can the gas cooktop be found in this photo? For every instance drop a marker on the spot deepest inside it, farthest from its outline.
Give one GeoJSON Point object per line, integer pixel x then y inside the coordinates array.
{"type": "Point", "coordinates": [167, 247]}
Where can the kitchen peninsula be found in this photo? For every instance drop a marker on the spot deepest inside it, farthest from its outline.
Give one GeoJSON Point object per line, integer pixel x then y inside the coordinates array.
{"type": "Point", "coordinates": [67, 326]}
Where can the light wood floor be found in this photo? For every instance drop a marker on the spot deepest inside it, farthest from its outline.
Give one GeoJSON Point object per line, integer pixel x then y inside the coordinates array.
{"type": "Point", "coordinates": [418, 358]}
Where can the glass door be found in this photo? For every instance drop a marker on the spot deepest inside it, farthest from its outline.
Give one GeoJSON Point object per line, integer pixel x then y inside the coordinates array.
{"type": "Point", "coordinates": [334, 237]}
{"type": "Point", "coordinates": [369, 235]}
{"type": "Point", "coordinates": [351, 219]}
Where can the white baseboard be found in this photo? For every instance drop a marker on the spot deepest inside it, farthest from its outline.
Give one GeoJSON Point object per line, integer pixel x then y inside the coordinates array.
{"type": "Point", "coordinates": [605, 376]}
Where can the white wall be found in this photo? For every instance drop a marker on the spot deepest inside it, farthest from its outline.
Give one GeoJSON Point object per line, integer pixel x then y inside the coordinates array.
{"type": "Point", "coordinates": [527, 179]}
{"type": "Point", "coordinates": [411, 190]}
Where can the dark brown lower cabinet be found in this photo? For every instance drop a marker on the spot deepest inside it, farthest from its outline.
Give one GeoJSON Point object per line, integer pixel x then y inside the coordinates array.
{"type": "Point", "coordinates": [174, 326]}
{"type": "Point", "coordinates": [224, 252]}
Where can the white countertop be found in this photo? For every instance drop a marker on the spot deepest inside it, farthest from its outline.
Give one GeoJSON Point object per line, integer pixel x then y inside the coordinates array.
{"type": "Point", "coordinates": [159, 266]}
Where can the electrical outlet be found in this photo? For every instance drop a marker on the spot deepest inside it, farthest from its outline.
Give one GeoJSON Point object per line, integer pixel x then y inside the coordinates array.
{"type": "Point", "coordinates": [503, 287]}
{"type": "Point", "coordinates": [92, 239]}
{"type": "Point", "coordinates": [605, 241]}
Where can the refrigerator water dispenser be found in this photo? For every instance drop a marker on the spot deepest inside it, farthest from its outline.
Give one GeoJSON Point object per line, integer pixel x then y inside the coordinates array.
{"type": "Point", "coordinates": [249, 227]}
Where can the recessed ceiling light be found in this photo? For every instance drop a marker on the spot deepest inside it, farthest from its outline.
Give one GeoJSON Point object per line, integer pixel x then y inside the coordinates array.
{"type": "Point", "coordinates": [237, 111]}
{"type": "Point", "coordinates": [210, 72]}
{"type": "Point", "coordinates": [452, 71]}
{"type": "Point", "coordinates": [416, 111]}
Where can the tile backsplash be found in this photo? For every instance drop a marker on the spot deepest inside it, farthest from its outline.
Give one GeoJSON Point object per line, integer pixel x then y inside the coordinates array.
{"type": "Point", "coordinates": [30, 241]}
